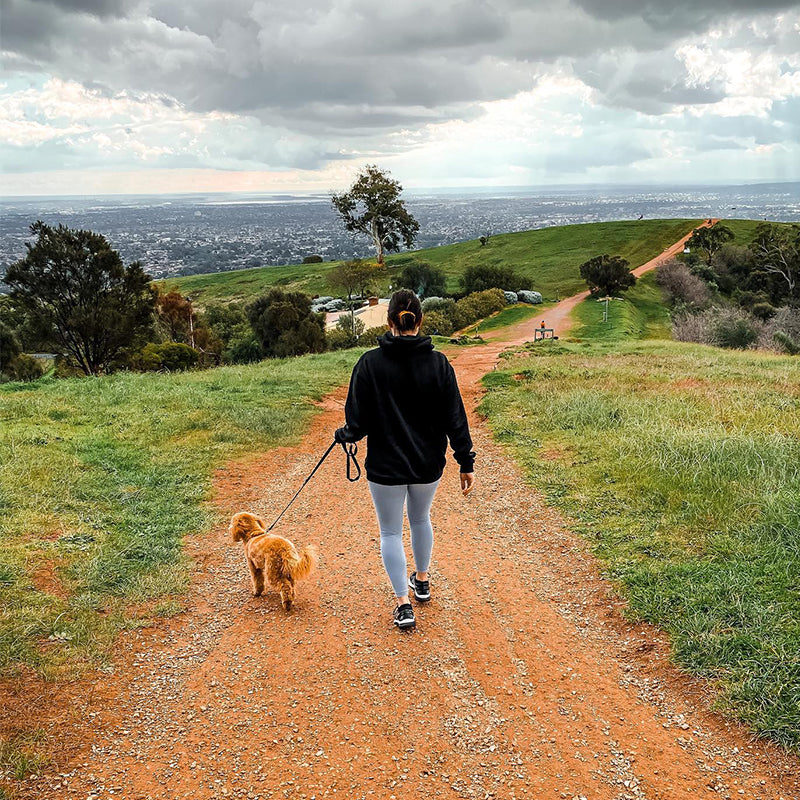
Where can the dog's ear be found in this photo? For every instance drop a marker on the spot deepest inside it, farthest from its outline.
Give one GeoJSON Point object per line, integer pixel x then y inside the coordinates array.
{"type": "Point", "coordinates": [238, 527]}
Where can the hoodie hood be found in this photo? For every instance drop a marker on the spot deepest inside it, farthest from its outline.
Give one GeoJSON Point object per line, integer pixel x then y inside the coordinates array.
{"type": "Point", "coordinates": [404, 346]}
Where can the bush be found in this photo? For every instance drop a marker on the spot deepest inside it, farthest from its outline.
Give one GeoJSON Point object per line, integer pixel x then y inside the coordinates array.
{"type": "Point", "coordinates": [422, 278]}
{"type": "Point", "coordinates": [681, 286]}
{"type": "Point", "coordinates": [9, 347]}
{"type": "Point", "coordinates": [371, 335]}
{"type": "Point", "coordinates": [511, 298]}
{"type": "Point", "coordinates": [338, 339]}
{"type": "Point", "coordinates": [243, 348]}
{"type": "Point", "coordinates": [764, 311]}
{"type": "Point", "coordinates": [437, 322]}
{"type": "Point", "coordinates": [285, 325]}
{"type": "Point", "coordinates": [24, 368]}
{"type": "Point", "coordinates": [734, 333]}
{"type": "Point", "coordinates": [170, 356]}
{"type": "Point", "coordinates": [315, 259]}
{"type": "Point", "coordinates": [533, 298]}
{"type": "Point", "coordinates": [444, 304]}
{"type": "Point", "coordinates": [478, 278]}
{"type": "Point", "coordinates": [475, 306]}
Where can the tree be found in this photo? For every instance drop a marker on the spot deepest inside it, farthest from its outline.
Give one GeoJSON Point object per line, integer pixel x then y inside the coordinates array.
{"type": "Point", "coordinates": [607, 275]}
{"type": "Point", "coordinates": [425, 280]}
{"type": "Point", "coordinates": [776, 252]}
{"type": "Point", "coordinates": [76, 288]}
{"type": "Point", "coordinates": [479, 277]}
{"type": "Point", "coordinates": [285, 325]}
{"type": "Point", "coordinates": [9, 347]}
{"type": "Point", "coordinates": [710, 240]}
{"type": "Point", "coordinates": [372, 206]}
{"type": "Point", "coordinates": [175, 314]}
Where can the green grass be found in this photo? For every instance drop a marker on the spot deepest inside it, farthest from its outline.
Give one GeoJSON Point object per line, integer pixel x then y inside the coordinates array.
{"type": "Point", "coordinates": [550, 256]}
{"type": "Point", "coordinates": [640, 314]}
{"type": "Point", "coordinates": [511, 315]}
{"type": "Point", "coordinates": [681, 465]}
{"type": "Point", "coordinates": [101, 479]}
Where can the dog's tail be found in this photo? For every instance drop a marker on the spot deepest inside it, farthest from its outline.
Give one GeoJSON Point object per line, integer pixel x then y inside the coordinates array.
{"type": "Point", "coordinates": [301, 567]}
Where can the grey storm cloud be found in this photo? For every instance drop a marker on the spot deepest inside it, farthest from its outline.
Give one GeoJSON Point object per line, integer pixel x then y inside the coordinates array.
{"type": "Point", "coordinates": [355, 65]}
{"type": "Point", "coordinates": [339, 74]}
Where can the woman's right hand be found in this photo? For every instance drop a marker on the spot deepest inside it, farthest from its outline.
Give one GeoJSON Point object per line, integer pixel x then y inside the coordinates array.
{"type": "Point", "coordinates": [467, 480]}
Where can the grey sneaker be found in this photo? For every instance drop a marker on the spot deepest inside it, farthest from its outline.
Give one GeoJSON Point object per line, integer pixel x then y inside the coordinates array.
{"type": "Point", "coordinates": [404, 616]}
{"type": "Point", "coordinates": [422, 589]}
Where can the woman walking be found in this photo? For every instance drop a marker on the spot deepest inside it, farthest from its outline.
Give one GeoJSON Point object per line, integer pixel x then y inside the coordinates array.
{"type": "Point", "coordinates": [404, 397]}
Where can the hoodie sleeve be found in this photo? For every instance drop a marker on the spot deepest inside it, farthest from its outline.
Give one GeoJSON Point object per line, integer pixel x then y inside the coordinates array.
{"type": "Point", "coordinates": [456, 421]}
{"type": "Point", "coordinates": [355, 407]}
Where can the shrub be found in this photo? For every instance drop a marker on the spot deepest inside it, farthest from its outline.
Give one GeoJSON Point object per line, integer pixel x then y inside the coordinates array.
{"type": "Point", "coordinates": [437, 322]}
{"type": "Point", "coordinates": [479, 277]}
{"type": "Point", "coordinates": [734, 332]}
{"type": "Point", "coordinates": [170, 356]}
{"type": "Point", "coordinates": [285, 325]}
{"type": "Point", "coordinates": [338, 339]}
{"type": "Point", "coordinates": [475, 306]}
{"type": "Point", "coordinates": [764, 311]}
{"type": "Point", "coordinates": [787, 345]}
{"type": "Point", "coordinates": [315, 259]}
{"type": "Point", "coordinates": [444, 304]}
{"type": "Point", "coordinates": [243, 348]}
{"type": "Point", "coordinates": [533, 298]}
{"type": "Point", "coordinates": [24, 368]}
{"type": "Point", "coordinates": [9, 347]}
{"type": "Point", "coordinates": [681, 286]}
{"type": "Point", "coordinates": [511, 297]}
{"type": "Point", "coordinates": [371, 335]}
{"type": "Point", "coordinates": [422, 278]}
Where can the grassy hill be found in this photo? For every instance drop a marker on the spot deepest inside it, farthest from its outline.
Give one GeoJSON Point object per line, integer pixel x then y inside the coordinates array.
{"type": "Point", "coordinates": [550, 256]}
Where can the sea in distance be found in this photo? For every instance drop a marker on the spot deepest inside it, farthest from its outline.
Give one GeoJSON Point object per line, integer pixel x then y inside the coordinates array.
{"type": "Point", "coordinates": [189, 234]}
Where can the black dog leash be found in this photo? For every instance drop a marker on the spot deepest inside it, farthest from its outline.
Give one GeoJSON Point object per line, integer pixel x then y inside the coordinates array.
{"type": "Point", "coordinates": [351, 451]}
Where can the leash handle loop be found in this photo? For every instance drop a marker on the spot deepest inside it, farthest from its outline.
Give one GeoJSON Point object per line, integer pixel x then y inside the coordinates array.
{"type": "Point", "coordinates": [351, 451]}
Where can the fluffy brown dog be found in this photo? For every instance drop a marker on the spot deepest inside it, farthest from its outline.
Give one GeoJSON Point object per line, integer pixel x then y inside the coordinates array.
{"type": "Point", "coordinates": [271, 557]}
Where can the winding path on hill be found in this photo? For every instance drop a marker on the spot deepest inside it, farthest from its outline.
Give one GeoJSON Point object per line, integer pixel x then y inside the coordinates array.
{"type": "Point", "coordinates": [560, 316]}
{"type": "Point", "coordinates": [522, 679]}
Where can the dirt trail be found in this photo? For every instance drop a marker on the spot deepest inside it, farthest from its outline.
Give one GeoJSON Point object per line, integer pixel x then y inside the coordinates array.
{"type": "Point", "coordinates": [559, 317]}
{"type": "Point", "coordinates": [522, 679]}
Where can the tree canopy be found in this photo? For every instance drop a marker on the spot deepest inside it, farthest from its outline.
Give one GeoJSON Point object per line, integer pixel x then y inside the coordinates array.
{"type": "Point", "coordinates": [372, 206]}
{"type": "Point", "coordinates": [480, 277]}
{"type": "Point", "coordinates": [710, 240]}
{"type": "Point", "coordinates": [607, 275]}
{"type": "Point", "coordinates": [422, 278]}
{"type": "Point", "coordinates": [285, 325]}
{"type": "Point", "coordinates": [76, 289]}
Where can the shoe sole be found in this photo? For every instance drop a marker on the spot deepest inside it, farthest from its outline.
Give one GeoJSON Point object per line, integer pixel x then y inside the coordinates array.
{"type": "Point", "coordinates": [405, 625]}
{"type": "Point", "coordinates": [421, 598]}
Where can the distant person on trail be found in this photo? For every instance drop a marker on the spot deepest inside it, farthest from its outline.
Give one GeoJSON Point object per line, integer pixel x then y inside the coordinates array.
{"type": "Point", "coordinates": [404, 398]}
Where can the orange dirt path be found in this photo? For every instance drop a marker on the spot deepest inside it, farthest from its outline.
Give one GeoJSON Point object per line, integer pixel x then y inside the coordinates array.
{"type": "Point", "coordinates": [522, 679]}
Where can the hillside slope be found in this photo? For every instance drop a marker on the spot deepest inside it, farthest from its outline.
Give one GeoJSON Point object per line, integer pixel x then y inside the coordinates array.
{"type": "Point", "coordinates": [550, 256]}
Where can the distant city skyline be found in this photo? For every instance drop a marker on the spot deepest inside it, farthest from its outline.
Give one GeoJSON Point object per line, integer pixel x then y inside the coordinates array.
{"type": "Point", "coordinates": [157, 96]}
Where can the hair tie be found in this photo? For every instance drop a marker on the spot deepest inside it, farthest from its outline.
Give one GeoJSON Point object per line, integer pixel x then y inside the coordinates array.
{"type": "Point", "coordinates": [400, 315]}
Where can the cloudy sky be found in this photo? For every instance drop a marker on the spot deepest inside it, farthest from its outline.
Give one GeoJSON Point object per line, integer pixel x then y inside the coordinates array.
{"type": "Point", "coordinates": [271, 95]}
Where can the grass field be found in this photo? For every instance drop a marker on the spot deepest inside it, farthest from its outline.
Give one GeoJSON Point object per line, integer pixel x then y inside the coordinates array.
{"type": "Point", "coordinates": [681, 465]}
{"type": "Point", "coordinates": [101, 479]}
{"type": "Point", "coordinates": [550, 256]}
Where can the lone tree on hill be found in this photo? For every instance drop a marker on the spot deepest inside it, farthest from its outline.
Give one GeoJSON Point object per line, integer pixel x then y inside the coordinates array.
{"type": "Point", "coordinates": [372, 206]}
{"type": "Point", "coordinates": [285, 325]}
{"type": "Point", "coordinates": [607, 275]}
{"type": "Point", "coordinates": [75, 287]}
{"type": "Point", "coordinates": [710, 240]}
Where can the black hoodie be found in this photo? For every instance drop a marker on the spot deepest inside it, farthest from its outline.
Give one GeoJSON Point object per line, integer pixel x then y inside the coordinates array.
{"type": "Point", "coordinates": [404, 397]}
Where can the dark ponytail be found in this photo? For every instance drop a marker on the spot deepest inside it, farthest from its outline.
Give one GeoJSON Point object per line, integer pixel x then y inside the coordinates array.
{"type": "Point", "coordinates": [405, 310]}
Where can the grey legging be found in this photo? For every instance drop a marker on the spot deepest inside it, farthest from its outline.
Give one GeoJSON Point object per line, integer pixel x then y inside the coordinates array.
{"type": "Point", "coordinates": [389, 509]}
